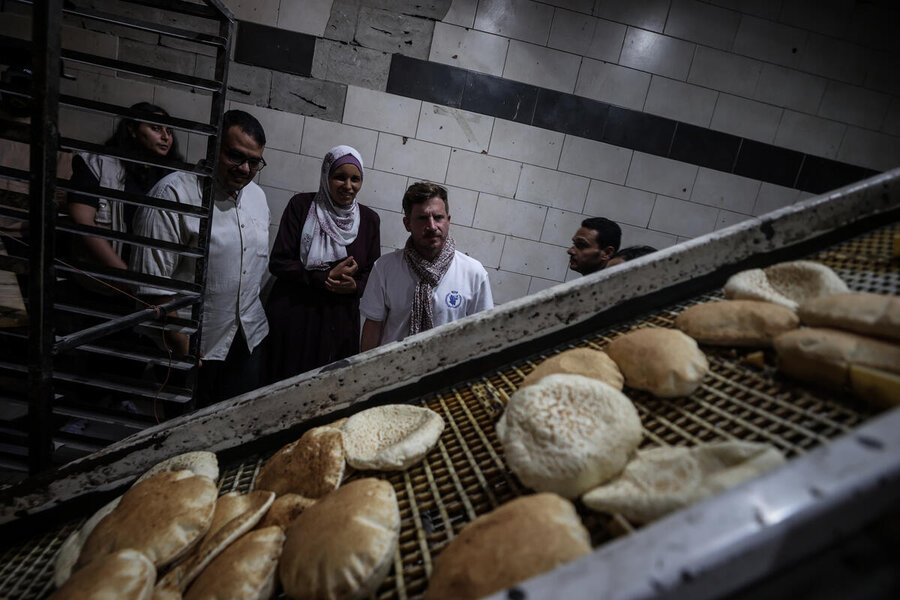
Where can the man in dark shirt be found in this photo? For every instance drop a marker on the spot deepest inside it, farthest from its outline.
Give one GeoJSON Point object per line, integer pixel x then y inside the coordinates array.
{"type": "Point", "coordinates": [594, 244]}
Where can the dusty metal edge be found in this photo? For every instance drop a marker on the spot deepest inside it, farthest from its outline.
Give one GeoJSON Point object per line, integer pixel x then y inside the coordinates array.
{"type": "Point", "coordinates": [718, 546]}
{"type": "Point", "coordinates": [285, 404]}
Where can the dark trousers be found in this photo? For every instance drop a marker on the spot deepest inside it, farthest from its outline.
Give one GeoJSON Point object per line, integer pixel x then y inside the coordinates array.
{"type": "Point", "coordinates": [240, 372]}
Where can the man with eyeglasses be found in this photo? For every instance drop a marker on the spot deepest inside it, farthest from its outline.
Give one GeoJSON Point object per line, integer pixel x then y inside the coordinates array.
{"type": "Point", "coordinates": [234, 322]}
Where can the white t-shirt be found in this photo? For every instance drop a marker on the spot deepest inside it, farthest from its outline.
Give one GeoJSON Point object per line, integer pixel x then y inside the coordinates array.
{"type": "Point", "coordinates": [463, 290]}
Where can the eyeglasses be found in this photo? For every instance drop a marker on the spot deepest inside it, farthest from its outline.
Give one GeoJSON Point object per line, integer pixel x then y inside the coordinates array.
{"type": "Point", "coordinates": [236, 159]}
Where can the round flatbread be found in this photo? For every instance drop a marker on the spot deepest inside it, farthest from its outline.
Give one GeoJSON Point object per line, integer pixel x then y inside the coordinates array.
{"type": "Point", "coordinates": [579, 361]}
{"type": "Point", "coordinates": [787, 283]}
{"type": "Point", "coordinates": [124, 574]}
{"type": "Point", "coordinates": [200, 462]}
{"type": "Point", "coordinates": [312, 466]}
{"type": "Point", "coordinates": [285, 511]}
{"type": "Point", "coordinates": [877, 315]}
{"type": "Point", "coordinates": [664, 362]}
{"type": "Point", "coordinates": [244, 571]}
{"type": "Point", "coordinates": [567, 434]}
{"type": "Point", "coordinates": [736, 322]}
{"type": "Point", "coordinates": [391, 437]}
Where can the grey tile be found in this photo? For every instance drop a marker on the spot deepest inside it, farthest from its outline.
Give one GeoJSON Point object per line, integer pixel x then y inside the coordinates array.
{"type": "Point", "coordinates": [638, 236]}
{"type": "Point", "coordinates": [680, 101]}
{"type": "Point", "coordinates": [390, 31]}
{"type": "Point", "coordinates": [250, 85]}
{"type": "Point", "coordinates": [655, 53]}
{"type": "Point", "coordinates": [834, 59]}
{"type": "Point", "coordinates": [724, 190]}
{"type": "Point", "coordinates": [474, 170]}
{"type": "Point", "coordinates": [854, 105]}
{"type": "Point", "coordinates": [746, 118]}
{"type": "Point", "coordinates": [767, 9]}
{"type": "Point", "coordinates": [883, 73]}
{"type": "Point", "coordinates": [507, 286]}
{"type": "Point", "coordinates": [156, 56]}
{"type": "Point", "coordinates": [870, 149]}
{"type": "Point", "coordinates": [595, 159]}
{"type": "Point", "coordinates": [661, 175]}
{"type": "Point", "coordinates": [646, 14]}
{"type": "Point", "coordinates": [468, 49]}
{"type": "Point", "coordinates": [310, 16]}
{"type": "Point", "coordinates": [828, 17]}
{"type": "Point", "coordinates": [341, 24]}
{"type": "Point", "coordinates": [790, 88]}
{"type": "Point", "coordinates": [702, 23]}
{"type": "Point", "coordinates": [403, 156]}
{"type": "Point", "coordinates": [806, 133]}
{"type": "Point", "coordinates": [305, 96]}
{"type": "Point", "coordinates": [540, 66]}
{"type": "Point", "coordinates": [728, 218]}
{"type": "Point", "coordinates": [462, 13]}
{"type": "Point", "coordinates": [677, 217]}
{"type": "Point", "coordinates": [560, 227]}
{"type": "Point", "coordinates": [585, 36]}
{"type": "Point", "coordinates": [725, 72]}
{"type": "Point", "coordinates": [510, 217]}
{"type": "Point", "coordinates": [614, 84]}
{"type": "Point", "coordinates": [353, 65]}
{"type": "Point", "coordinates": [772, 197]}
{"type": "Point", "coordinates": [772, 42]}
{"type": "Point", "coordinates": [619, 203]}
{"type": "Point", "coordinates": [517, 19]}
{"type": "Point", "coordinates": [892, 120]}
{"type": "Point", "coordinates": [552, 188]}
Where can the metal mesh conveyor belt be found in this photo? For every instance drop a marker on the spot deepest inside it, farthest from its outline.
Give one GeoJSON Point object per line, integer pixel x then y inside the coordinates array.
{"type": "Point", "coordinates": [465, 476]}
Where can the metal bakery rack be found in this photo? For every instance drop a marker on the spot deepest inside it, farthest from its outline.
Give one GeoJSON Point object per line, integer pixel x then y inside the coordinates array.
{"type": "Point", "coordinates": [843, 472]}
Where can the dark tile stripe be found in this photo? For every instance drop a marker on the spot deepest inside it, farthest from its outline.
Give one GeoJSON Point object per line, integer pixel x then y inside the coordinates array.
{"type": "Point", "coordinates": [591, 119]}
{"type": "Point", "coordinates": [274, 48]}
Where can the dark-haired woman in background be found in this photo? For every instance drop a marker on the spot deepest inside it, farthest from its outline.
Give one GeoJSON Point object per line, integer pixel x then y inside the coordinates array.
{"type": "Point", "coordinates": [324, 251]}
{"type": "Point", "coordinates": [93, 170]}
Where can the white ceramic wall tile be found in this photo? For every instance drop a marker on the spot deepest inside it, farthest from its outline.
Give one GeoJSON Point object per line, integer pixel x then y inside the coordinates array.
{"type": "Point", "coordinates": [771, 42]}
{"type": "Point", "coordinates": [540, 66]}
{"type": "Point", "coordinates": [552, 188]}
{"type": "Point", "coordinates": [656, 53]}
{"type": "Point", "coordinates": [383, 190]}
{"type": "Point", "coordinates": [661, 175]}
{"type": "Point", "coordinates": [638, 236]}
{"type": "Point", "coordinates": [454, 127]}
{"type": "Point", "coordinates": [506, 286]}
{"type": "Point", "coordinates": [277, 200]}
{"type": "Point", "coordinates": [517, 19]}
{"type": "Point", "coordinates": [393, 233]}
{"type": "Point", "coordinates": [883, 73]}
{"type": "Point", "coordinates": [724, 190]}
{"type": "Point", "coordinates": [473, 170]}
{"type": "Point", "coordinates": [264, 12]}
{"type": "Point", "coordinates": [113, 90]}
{"type": "Point", "coordinates": [505, 215]}
{"type": "Point", "coordinates": [462, 13]}
{"type": "Point", "coordinates": [91, 42]}
{"type": "Point", "coordinates": [870, 149]}
{"type": "Point", "coordinates": [680, 101]}
{"type": "Point", "coordinates": [854, 105]}
{"type": "Point", "coordinates": [183, 104]}
{"type": "Point", "coordinates": [381, 111]}
{"type": "Point", "coordinates": [834, 59]}
{"type": "Point", "coordinates": [728, 218]}
{"type": "Point", "coordinates": [403, 156]}
{"type": "Point", "coordinates": [646, 14]}
{"type": "Point", "coordinates": [830, 18]}
{"type": "Point", "coordinates": [538, 284]}
{"type": "Point", "coordinates": [594, 38]}
{"type": "Point", "coordinates": [581, 6]}
{"type": "Point", "coordinates": [484, 246]}
{"type": "Point", "coordinates": [321, 136]}
{"type": "Point", "coordinates": [790, 88]}
{"type": "Point", "coordinates": [561, 225]}
{"type": "Point", "coordinates": [681, 218]}
{"type": "Point", "coordinates": [702, 23]}
{"type": "Point", "coordinates": [758, 8]}
{"type": "Point", "coordinates": [534, 258]}
{"type": "Point", "coordinates": [892, 119]}
{"type": "Point", "coordinates": [611, 83]}
{"type": "Point", "coordinates": [609, 37]}
{"type": "Point", "coordinates": [806, 133]}
{"type": "Point", "coordinates": [772, 197]}
{"type": "Point", "coordinates": [86, 126]}
{"type": "Point", "coordinates": [309, 16]}
{"type": "Point", "coordinates": [290, 171]}
{"type": "Point", "coordinates": [192, 146]}
{"type": "Point", "coordinates": [746, 118]}
{"type": "Point", "coordinates": [595, 159]}
{"type": "Point", "coordinates": [462, 205]}
{"type": "Point", "coordinates": [468, 48]}
{"type": "Point", "coordinates": [619, 203]}
{"type": "Point", "coordinates": [724, 71]}
{"type": "Point", "coordinates": [283, 129]}
{"type": "Point", "coordinates": [570, 274]}
{"type": "Point", "coordinates": [525, 143]}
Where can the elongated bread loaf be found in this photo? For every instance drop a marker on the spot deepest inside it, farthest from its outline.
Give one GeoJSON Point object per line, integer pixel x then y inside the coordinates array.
{"type": "Point", "coordinates": [877, 315]}
{"type": "Point", "coordinates": [736, 322]}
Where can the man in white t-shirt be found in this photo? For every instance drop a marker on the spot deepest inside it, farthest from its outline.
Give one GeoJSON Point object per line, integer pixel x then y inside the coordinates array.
{"type": "Point", "coordinates": [426, 284]}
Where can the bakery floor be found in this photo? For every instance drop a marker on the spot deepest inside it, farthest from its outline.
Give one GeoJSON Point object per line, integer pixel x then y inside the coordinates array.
{"type": "Point", "coordinates": [465, 475]}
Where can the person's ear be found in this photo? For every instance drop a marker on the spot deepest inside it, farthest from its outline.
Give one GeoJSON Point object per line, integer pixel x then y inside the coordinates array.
{"type": "Point", "coordinates": [406, 223]}
{"type": "Point", "coordinates": [606, 253]}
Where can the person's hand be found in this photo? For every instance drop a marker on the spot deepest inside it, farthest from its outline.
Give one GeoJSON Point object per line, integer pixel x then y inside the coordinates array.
{"type": "Point", "coordinates": [347, 266]}
{"type": "Point", "coordinates": [343, 285]}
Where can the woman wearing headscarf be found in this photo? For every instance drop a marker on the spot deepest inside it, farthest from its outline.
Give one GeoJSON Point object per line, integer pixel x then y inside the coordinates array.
{"type": "Point", "coordinates": [325, 248]}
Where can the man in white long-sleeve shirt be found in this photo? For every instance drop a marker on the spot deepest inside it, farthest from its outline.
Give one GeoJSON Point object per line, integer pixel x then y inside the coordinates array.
{"type": "Point", "coordinates": [234, 323]}
{"type": "Point", "coordinates": [426, 284]}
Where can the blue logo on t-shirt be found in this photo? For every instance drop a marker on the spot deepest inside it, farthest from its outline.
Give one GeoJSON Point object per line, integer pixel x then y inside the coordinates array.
{"type": "Point", "coordinates": [453, 299]}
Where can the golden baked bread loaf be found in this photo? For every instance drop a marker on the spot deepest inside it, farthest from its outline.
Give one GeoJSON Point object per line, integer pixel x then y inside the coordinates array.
{"type": "Point", "coordinates": [658, 481]}
{"type": "Point", "coordinates": [877, 315]}
{"type": "Point", "coordinates": [163, 517]}
{"type": "Point", "coordinates": [520, 539]}
{"type": "Point", "coordinates": [736, 322]}
{"type": "Point", "coordinates": [568, 433]}
{"type": "Point", "coordinates": [664, 362]}
{"type": "Point", "coordinates": [244, 571]}
{"type": "Point", "coordinates": [312, 466]}
{"type": "Point", "coordinates": [787, 283]}
{"type": "Point", "coordinates": [342, 547]}
{"type": "Point", "coordinates": [825, 355]}
{"type": "Point", "coordinates": [199, 462]}
{"type": "Point", "coordinates": [285, 511]}
{"type": "Point", "coordinates": [392, 437]}
{"type": "Point", "coordinates": [578, 361]}
{"type": "Point", "coordinates": [124, 575]}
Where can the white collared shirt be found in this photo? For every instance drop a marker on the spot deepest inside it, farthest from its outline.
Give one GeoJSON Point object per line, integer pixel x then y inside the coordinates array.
{"type": "Point", "coordinates": [238, 257]}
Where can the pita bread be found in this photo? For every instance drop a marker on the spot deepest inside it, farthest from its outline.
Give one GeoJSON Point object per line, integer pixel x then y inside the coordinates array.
{"type": "Point", "coordinates": [343, 545]}
{"type": "Point", "coordinates": [244, 571]}
{"type": "Point", "coordinates": [391, 437]}
{"type": "Point", "coordinates": [568, 433]}
{"type": "Point", "coordinates": [662, 480]}
{"type": "Point", "coordinates": [312, 466]}
{"type": "Point", "coordinates": [664, 362]}
{"type": "Point", "coordinates": [787, 283]}
{"type": "Point", "coordinates": [877, 315]}
{"type": "Point", "coordinates": [579, 361]}
{"type": "Point", "coordinates": [235, 514]}
{"type": "Point", "coordinates": [125, 575]}
{"type": "Point", "coordinates": [200, 462]}
{"type": "Point", "coordinates": [825, 355]}
{"type": "Point", "coordinates": [521, 539]}
{"type": "Point", "coordinates": [163, 517]}
{"type": "Point", "coordinates": [285, 511]}
{"type": "Point", "coordinates": [736, 322]}
{"type": "Point", "coordinates": [71, 548]}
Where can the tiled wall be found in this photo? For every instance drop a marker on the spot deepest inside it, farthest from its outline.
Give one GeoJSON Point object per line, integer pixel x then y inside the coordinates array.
{"type": "Point", "coordinates": [672, 117]}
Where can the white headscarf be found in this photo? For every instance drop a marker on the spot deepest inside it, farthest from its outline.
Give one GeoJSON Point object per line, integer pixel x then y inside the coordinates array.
{"type": "Point", "coordinates": [329, 228]}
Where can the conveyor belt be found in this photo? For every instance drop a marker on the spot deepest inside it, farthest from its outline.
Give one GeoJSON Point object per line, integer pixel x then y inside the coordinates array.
{"type": "Point", "coordinates": [465, 476]}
